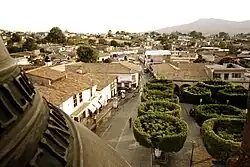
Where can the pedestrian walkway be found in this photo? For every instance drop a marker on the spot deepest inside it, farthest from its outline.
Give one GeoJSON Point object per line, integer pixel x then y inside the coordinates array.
{"type": "Point", "coordinates": [99, 117]}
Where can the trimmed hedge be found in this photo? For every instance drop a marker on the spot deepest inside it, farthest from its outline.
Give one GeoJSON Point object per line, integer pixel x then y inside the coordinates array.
{"type": "Point", "coordinates": [203, 112]}
{"type": "Point", "coordinates": [193, 94]}
{"type": "Point", "coordinates": [214, 85]}
{"type": "Point", "coordinates": [164, 132]}
{"type": "Point", "coordinates": [157, 91]}
{"type": "Point", "coordinates": [162, 81]}
{"type": "Point", "coordinates": [164, 107]}
{"type": "Point", "coordinates": [221, 144]}
{"type": "Point", "coordinates": [155, 96]}
{"type": "Point", "coordinates": [236, 96]}
{"type": "Point", "coordinates": [160, 86]}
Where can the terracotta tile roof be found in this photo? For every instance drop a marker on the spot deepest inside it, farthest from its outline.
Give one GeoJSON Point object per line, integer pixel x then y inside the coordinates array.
{"type": "Point", "coordinates": [101, 80]}
{"type": "Point", "coordinates": [131, 66]}
{"type": "Point", "coordinates": [54, 96]}
{"type": "Point", "coordinates": [47, 73]}
{"type": "Point", "coordinates": [102, 68]}
{"type": "Point", "coordinates": [184, 71]}
{"type": "Point", "coordinates": [61, 90]}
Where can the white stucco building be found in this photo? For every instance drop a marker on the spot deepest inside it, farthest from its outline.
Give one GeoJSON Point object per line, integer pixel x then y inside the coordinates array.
{"type": "Point", "coordinates": [79, 96]}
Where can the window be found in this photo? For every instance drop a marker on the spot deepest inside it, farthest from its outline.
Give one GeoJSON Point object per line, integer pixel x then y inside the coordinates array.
{"type": "Point", "coordinates": [80, 97]}
{"type": "Point", "coordinates": [75, 100]}
{"type": "Point", "coordinates": [217, 76]}
{"type": "Point", "coordinates": [226, 76]}
{"type": "Point", "coordinates": [236, 75]}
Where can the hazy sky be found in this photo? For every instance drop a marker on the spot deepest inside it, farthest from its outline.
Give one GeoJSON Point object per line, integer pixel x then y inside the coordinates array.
{"type": "Point", "coordinates": [102, 15]}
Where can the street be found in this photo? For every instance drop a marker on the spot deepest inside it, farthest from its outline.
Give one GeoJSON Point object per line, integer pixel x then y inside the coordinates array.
{"type": "Point", "coordinates": [117, 132]}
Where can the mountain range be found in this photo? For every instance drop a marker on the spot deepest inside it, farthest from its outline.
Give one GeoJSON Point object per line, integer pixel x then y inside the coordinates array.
{"type": "Point", "coordinates": [211, 26]}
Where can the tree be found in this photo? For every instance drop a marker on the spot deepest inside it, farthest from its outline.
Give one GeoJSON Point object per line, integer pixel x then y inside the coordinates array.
{"type": "Point", "coordinates": [196, 35]}
{"type": "Point", "coordinates": [224, 35]}
{"type": "Point", "coordinates": [56, 36]}
{"type": "Point", "coordinates": [13, 49]}
{"type": "Point", "coordinates": [167, 46]}
{"type": "Point", "coordinates": [16, 38]}
{"type": "Point", "coordinates": [127, 43]}
{"type": "Point", "coordinates": [30, 44]}
{"type": "Point", "coordinates": [42, 41]}
{"type": "Point", "coordinates": [223, 44]}
{"type": "Point", "coordinates": [91, 41]}
{"type": "Point", "coordinates": [114, 43]}
{"type": "Point", "coordinates": [87, 54]}
{"type": "Point", "coordinates": [226, 60]}
{"type": "Point", "coordinates": [232, 49]}
{"type": "Point", "coordinates": [103, 41]}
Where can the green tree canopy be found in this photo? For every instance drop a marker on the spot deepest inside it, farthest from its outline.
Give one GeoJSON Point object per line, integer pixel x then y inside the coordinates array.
{"type": "Point", "coordinates": [114, 43]}
{"type": "Point", "coordinates": [91, 41]}
{"type": "Point", "coordinates": [223, 44]}
{"type": "Point", "coordinates": [30, 44]}
{"type": "Point", "coordinates": [224, 35]}
{"type": "Point", "coordinates": [56, 36]}
{"type": "Point", "coordinates": [87, 54]}
{"type": "Point", "coordinates": [16, 37]}
{"type": "Point", "coordinates": [196, 35]}
{"type": "Point", "coordinates": [103, 41]}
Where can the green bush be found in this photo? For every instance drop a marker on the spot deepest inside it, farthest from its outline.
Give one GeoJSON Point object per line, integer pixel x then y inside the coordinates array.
{"type": "Point", "coordinates": [193, 94]}
{"type": "Point", "coordinates": [160, 86]}
{"type": "Point", "coordinates": [164, 107]}
{"type": "Point", "coordinates": [222, 136]}
{"type": "Point", "coordinates": [203, 112]}
{"type": "Point", "coordinates": [164, 132]}
{"type": "Point", "coordinates": [162, 81]}
{"type": "Point", "coordinates": [156, 91]}
{"type": "Point", "coordinates": [160, 95]}
{"type": "Point", "coordinates": [236, 96]}
{"type": "Point", "coordinates": [214, 85]}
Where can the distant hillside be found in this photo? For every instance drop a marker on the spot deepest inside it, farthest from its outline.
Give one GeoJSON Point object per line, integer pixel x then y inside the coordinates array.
{"type": "Point", "coordinates": [211, 26]}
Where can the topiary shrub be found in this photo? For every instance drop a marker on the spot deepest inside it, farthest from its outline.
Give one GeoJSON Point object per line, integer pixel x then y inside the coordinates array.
{"type": "Point", "coordinates": [193, 94]}
{"type": "Point", "coordinates": [164, 107]}
{"type": "Point", "coordinates": [222, 136]}
{"type": "Point", "coordinates": [156, 91]}
{"type": "Point", "coordinates": [214, 85]}
{"type": "Point", "coordinates": [164, 132]}
{"type": "Point", "coordinates": [160, 86]}
{"type": "Point", "coordinates": [159, 95]}
{"type": "Point", "coordinates": [162, 81]}
{"type": "Point", "coordinates": [235, 96]}
{"type": "Point", "coordinates": [203, 112]}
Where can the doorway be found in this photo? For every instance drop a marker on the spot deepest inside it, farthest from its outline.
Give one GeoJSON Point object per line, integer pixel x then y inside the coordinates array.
{"type": "Point", "coordinates": [226, 76]}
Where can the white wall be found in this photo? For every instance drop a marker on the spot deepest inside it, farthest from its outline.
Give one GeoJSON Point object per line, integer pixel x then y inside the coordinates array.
{"type": "Point", "coordinates": [124, 77]}
{"type": "Point", "coordinates": [106, 92]}
{"type": "Point", "coordinates": [128, 77]}
{"type": "Point", "coordinates": [68, 105]}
